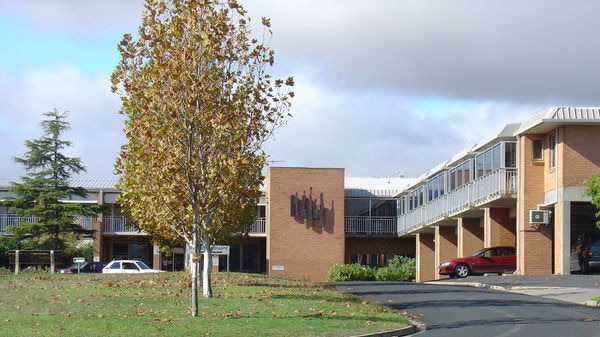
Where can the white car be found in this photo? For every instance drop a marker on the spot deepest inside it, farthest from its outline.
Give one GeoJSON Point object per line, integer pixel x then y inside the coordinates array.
{"type": "Point", "coordinates": [128, 267]}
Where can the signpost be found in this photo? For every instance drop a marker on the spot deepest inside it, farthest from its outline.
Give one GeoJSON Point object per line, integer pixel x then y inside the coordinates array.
{"type": "Point", "coordinates": [220, 250]}
{"type": "Point", "coordinates": [79, 261]}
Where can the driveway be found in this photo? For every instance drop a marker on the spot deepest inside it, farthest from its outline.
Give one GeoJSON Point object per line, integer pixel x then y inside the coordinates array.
{"type": "Point", "coordinates": [468, 311]}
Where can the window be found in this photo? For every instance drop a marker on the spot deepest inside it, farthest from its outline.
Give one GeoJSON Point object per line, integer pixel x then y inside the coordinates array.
{"type": "Point", "coordinates": [552, 151]}
{"type": "Point", "coordinates": [460, 175]}
{"type": "Point", "coordinates": [537, 150]}
{"type": "Point", "coordinates": [435, 187]}
{"type": "Point", "coordinates": [370, 207]}
{"type": "Point", "coordinates": [510, 154]}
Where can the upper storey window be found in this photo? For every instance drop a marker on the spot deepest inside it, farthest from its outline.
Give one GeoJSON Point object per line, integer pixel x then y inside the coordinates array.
{"type": "Point", "coordinates": [460, 175]}
{"type": "Point", "coordinates": [552, 151]}
{"type": "Point", "coordinates": [498, 156]}
{"type": "Point", "coordinates": [537, 149]}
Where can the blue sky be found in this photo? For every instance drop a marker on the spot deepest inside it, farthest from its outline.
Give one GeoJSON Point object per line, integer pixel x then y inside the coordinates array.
{"type": "Point", "coordinates": [381, 86]}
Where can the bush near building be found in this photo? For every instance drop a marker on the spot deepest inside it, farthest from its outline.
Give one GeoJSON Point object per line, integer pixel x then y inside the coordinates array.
{"type": "Point", "coordinates": [399, 268]}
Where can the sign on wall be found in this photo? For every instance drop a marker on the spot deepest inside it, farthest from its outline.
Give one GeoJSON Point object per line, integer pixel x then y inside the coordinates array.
{"type": "Point", "coordinates": [308, 207]}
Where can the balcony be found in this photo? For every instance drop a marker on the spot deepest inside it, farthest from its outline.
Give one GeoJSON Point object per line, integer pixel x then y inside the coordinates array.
{"type": "Point", "coordinates": [493, 186]}
{"type": "Point", "coordinates": [8, 220]}
{"type": "Point", "coordinates": [372, 226]}
{"type": "Point", "coordinates": [259, 227]}
{"type": "Point", "coordinates": [118, 225]}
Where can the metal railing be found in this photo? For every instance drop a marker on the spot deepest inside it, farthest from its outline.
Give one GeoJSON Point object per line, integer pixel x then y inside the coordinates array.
{"type": "Point", "coordinates": [8, 220]}
{"type": "Point", "coordinates": [117, 224]}
{"type": "Point", "coordinates": [259, 227]}
{"type": "Point", "coordinates": [370, 225]}
{"type": "Point", "coordinates": [494, 185]}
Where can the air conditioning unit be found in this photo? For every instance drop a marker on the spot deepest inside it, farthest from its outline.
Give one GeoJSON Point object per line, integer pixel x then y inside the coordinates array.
{"type": "Point", "coordinates": [539, 217]}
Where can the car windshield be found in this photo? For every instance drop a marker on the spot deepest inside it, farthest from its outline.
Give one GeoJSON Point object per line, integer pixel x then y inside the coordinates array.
{"type": "Point", "coordinates": [142, 265]}
{"type": "Point", "coordinates": [479, 252]}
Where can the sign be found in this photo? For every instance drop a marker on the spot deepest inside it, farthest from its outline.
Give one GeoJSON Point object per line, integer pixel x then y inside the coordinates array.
{"type": "Point", "coordinates": [278, 268]}
{"type": "Point", "coordinates": [78, 259]}
{"type": "Point", "coordinates": [217, 250]}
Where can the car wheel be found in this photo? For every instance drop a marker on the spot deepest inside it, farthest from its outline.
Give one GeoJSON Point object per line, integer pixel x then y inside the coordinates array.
{"type": "Point", "coordinates": [462, 270]}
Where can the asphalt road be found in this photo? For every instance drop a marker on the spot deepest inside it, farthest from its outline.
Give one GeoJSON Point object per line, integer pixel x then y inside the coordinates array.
{"type": "Point", "coordinates": [455, 310]}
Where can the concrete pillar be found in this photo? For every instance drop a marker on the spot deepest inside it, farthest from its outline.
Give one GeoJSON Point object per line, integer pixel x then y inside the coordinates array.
{"type": "Point", "coordinates": [562, 238]}
{"type": "Point", "coordinates": [426, 267]}
{"type": "Point", "coordinates": [470, 235]}
{"type": "Point", "coordinates": [445, 244]}
{"type": "Point", "coordinates": [500, 228]}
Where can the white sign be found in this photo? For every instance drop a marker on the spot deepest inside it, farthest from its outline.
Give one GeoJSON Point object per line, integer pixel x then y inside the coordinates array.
{"type": "Point", "coordinates": [278, 268]}
{"type": "Point", "coordinates": [218, 250]}
{"type": "Point", "coordinates": [78, 259]}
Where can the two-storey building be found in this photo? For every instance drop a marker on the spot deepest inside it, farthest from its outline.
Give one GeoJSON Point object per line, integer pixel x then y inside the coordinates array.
{"type": "Point", "coordinates": [521, 186]}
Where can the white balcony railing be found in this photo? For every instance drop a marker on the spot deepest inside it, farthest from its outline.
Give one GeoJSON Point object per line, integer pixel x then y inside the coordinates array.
{"type": "Point", "coordinates": [498, 184]}
{"type": "Point", "coordinates": [8, 220]}
{"type": "Point", "coordinates": [370, 225]}
{"type": "Point", "coordinates": [259, 227]}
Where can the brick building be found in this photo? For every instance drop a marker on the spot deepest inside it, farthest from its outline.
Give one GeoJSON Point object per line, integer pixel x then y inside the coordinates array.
{"type": "Point", "coordinates": [311, 218]}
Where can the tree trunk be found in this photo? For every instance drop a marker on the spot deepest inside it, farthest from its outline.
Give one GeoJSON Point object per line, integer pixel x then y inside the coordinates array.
{"type": "Point", "coordinates": [195, 271]}
{"type": "Point", "coordinates": [206, 284]}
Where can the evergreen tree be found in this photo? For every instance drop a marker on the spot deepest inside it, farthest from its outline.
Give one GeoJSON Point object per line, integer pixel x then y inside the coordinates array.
{"type": "Point", "coordinates": [42, 192]}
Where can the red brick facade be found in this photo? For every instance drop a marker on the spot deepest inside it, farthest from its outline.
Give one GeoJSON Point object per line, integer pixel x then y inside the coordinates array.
{"type": "Point", "coordinates": [306, 244]}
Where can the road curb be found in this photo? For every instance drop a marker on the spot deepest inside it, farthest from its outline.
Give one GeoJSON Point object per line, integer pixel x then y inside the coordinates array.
{"type": "Point", "coordinates": [409, 330]}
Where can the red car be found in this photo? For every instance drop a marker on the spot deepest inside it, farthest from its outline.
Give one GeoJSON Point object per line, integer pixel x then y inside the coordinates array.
{"type": "Point", "coordinates": [496, 260]}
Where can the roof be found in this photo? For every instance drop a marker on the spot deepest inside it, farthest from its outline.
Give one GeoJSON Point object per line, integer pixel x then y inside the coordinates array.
{"type": "Point", "coordinates": [361, 187]}
{"type": "Point", "coordinates": [557, 116]}
{"type": "Point", "coordinates": [88, 184]}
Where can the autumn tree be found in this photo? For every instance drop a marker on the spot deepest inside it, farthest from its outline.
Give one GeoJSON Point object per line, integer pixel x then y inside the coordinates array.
{"type": "Point", "coordinates": [44, 192]}
{"type": "Point", "coordinates": [592, 189]}
{"type": "Point", "coordinates": [199, 104]}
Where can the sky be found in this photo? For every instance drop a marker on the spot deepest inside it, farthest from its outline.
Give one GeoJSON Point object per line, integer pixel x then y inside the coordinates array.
{"type": "Point", "coordinates": [383, 87]}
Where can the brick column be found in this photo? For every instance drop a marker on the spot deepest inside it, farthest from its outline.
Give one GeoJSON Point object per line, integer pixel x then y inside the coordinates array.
{"type": "Point", "coordinates": [98, 254]}
{"type": "Point", "coordinates": [534, 242]}
{"type": "Point", "coordinates": [500, 228]}
{"type": "Point", "coordinates": [445, 245]}
{"type": "Point", "coordinates": [426, 267]}
{"type": "Point", "coordinates": [470, 235]}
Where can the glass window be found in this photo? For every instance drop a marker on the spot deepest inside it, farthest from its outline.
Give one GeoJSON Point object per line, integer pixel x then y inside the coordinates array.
{"type": "Point", "coordinates": [496, 160]}
{"type": "Point", "coordinates": [553, 151]}
{"type": "Point", "coordinates": [370, 207]}
{"type": "Point", "coordinates": [435, 187]}
{"type": "Point", "coordinates": [382, 207]}
{"type": "Point", "coordinates": [357, 206]}
{"type": "Point", "coordinates": [537, 151]}
{"type": "Point", "coordinates": [510, 154]}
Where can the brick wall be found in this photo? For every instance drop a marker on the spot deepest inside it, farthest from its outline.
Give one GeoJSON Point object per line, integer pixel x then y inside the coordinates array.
{"type": "Point", "coordinates": [579, 156]}
{"type": "Point", "coordinates": [295, 247]}
{"type": "Point", "coordinates": [426, 268]}
{"type": "Point", "coordinates": [470, 236]}
{"type": "Point", "coordinates": [500, 227]}
{"type": "Point", "coordinates": [534, 242]}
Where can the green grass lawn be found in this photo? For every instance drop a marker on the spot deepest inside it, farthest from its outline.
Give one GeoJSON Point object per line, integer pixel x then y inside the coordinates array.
{"type": "Point", "coordinates": [39, 304]}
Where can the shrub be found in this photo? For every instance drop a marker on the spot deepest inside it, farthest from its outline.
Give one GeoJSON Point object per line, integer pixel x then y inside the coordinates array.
{"type": "Point", "coordinates": [350, 272]}
{"type": "Point", "coordinates": [399, 269]}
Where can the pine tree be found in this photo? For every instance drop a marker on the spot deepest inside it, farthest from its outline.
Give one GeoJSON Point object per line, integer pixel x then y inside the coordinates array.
{"type": "Point", "coordinates": [42, 192]}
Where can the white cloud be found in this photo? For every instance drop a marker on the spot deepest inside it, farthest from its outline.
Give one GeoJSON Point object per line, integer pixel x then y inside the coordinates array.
{"type": "Point", "coordinates": [95, 125]}
{"type": "Point", "coordinates": [382, 85]}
